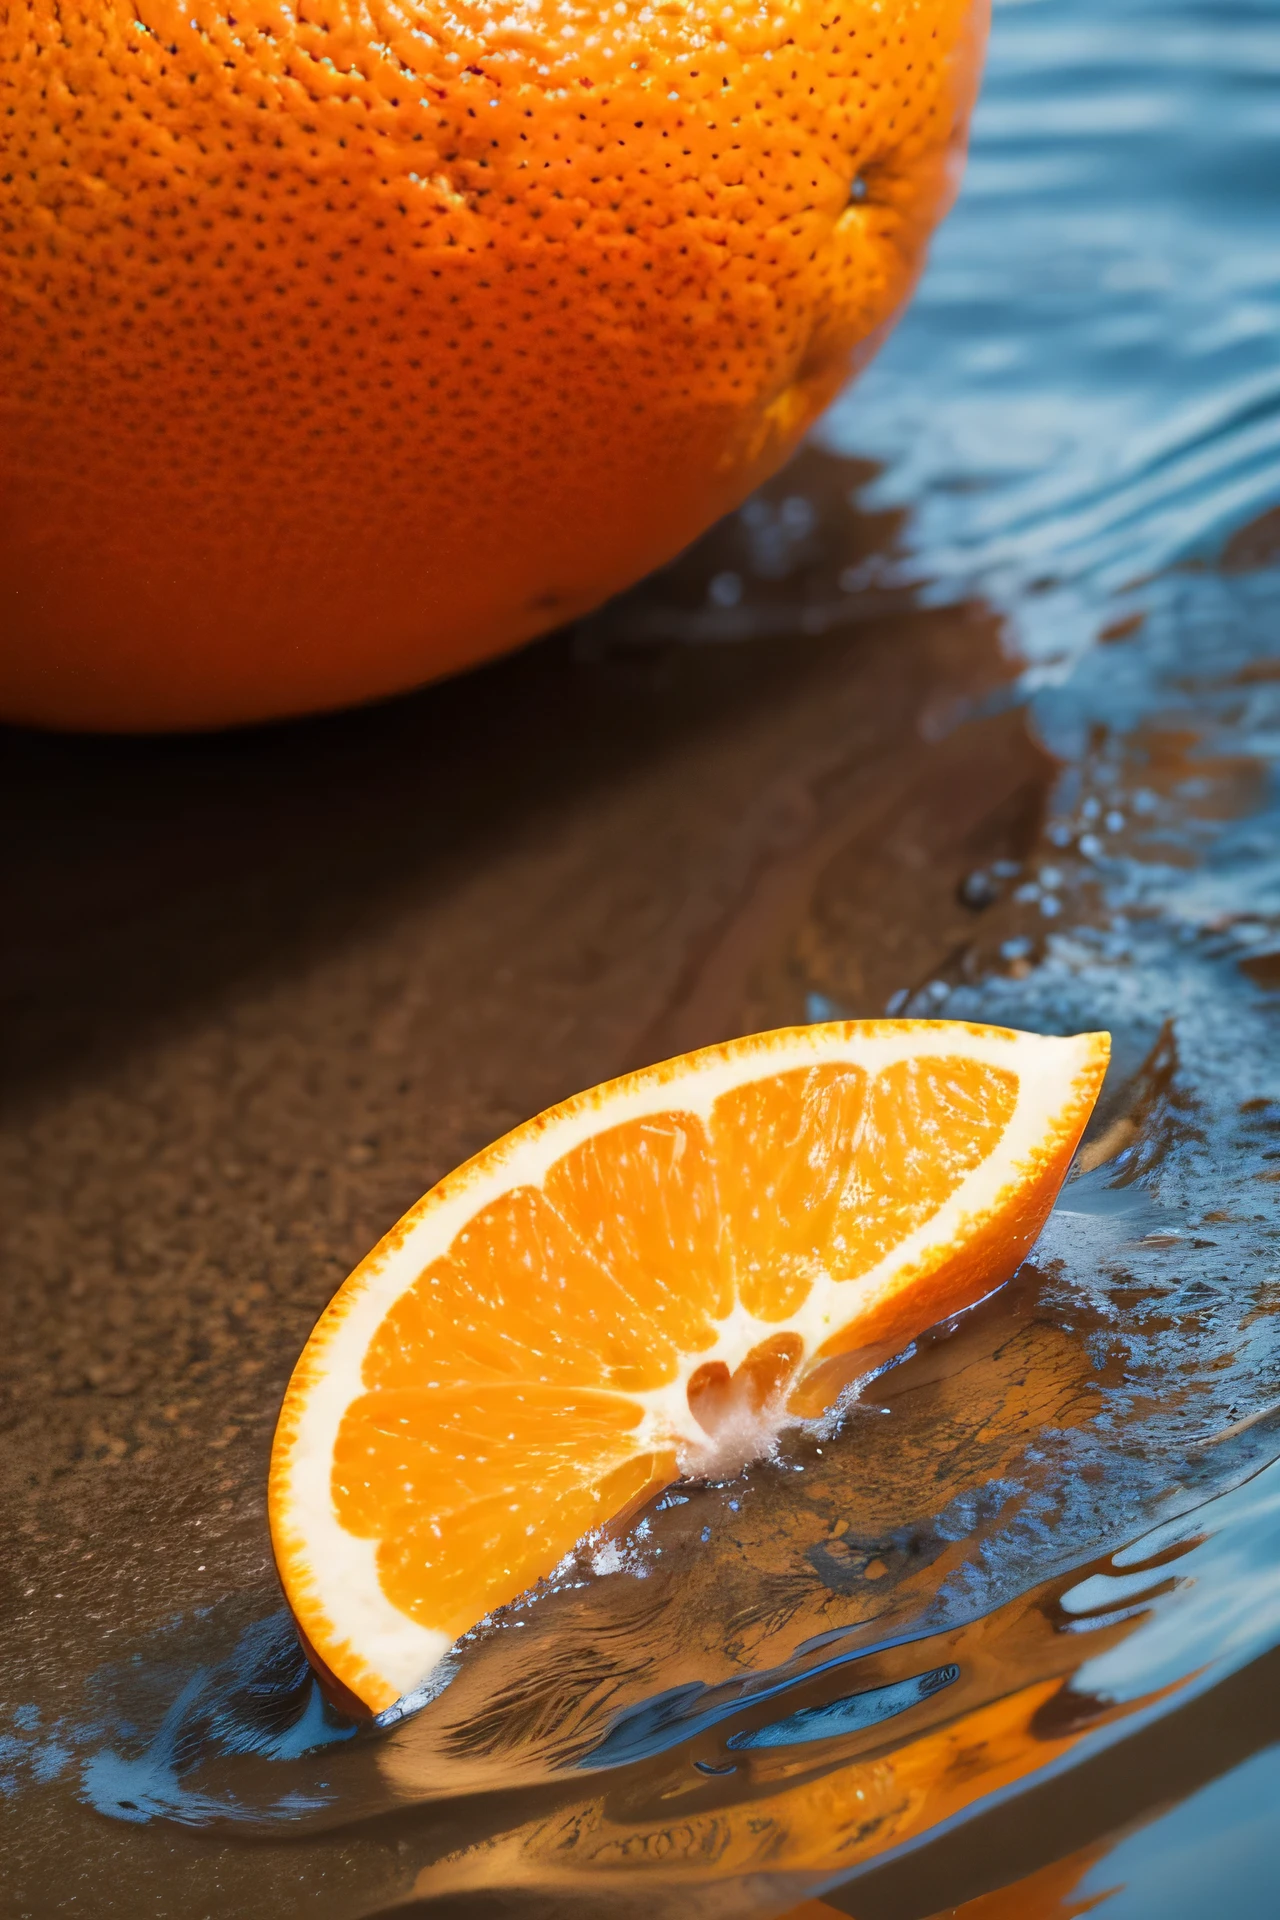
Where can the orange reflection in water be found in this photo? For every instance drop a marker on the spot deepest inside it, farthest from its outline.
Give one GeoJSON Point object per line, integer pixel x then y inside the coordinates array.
{"type": "Point", "coordinates": [768, 1805]}
{"type": "Point", "coordinates": [811, 1810]}
{"type": "Point", "coordinates": [1051, 1893]}
{"type": "Point", "coordinates": [1048, 1894]}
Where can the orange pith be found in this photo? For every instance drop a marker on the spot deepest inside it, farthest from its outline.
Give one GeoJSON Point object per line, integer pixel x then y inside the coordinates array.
{"type": "Point", "coordinates": [345, 344]}
{"type": "Point", "coordinates": [639, 1283]}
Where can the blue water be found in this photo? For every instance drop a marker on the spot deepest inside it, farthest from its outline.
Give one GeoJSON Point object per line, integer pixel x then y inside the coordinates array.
{"type": "Point", "coordinates": [1076, 425]}
{"type": "Point", "coordinates": [1175, 1867]}
{"type": "Point", "coordinates": [1087, 389]}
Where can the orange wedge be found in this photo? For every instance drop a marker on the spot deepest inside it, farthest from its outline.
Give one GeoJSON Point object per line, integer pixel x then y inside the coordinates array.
{"type": "Point", "coordinates": [643, 1282]}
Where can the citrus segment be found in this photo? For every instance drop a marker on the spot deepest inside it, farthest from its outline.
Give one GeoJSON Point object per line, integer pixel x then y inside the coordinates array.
{"type": "Point", "coordinates": [645, 1280]}
{"type": "Point", "coordinates": [928, 1123]}
{"type": "Point", "coordinates": [644, 1198]}
{"type": "Point", "coordinates": [782, 1155]}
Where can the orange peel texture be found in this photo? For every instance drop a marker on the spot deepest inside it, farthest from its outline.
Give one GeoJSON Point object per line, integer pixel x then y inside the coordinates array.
{"type": "Point", "coordinates": [343, 345]}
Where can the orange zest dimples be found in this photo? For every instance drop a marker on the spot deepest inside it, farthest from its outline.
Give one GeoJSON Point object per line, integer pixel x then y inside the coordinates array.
{"type": "Point", "coordinates": [347, 343]}
{"type": "Point", "coordinates": [645, 1281]}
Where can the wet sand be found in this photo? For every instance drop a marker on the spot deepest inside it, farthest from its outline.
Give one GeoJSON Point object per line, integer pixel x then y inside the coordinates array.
{"type": "Point", "coordinates": [264, 989]}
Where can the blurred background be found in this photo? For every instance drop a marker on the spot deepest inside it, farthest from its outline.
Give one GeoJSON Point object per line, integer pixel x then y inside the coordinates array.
{"type": "Point", "coordinates": [974, 710]}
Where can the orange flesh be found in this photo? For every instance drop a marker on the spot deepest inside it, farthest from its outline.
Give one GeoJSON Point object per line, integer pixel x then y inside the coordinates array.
{"type": "Point", "coordinates": [492, 1413]}
{"type": "Point", "coordinates": [343, 346]}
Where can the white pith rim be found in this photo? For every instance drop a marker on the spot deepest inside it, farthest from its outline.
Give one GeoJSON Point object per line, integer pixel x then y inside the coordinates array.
{"type": "Point", "coordinates": [331, 1574]}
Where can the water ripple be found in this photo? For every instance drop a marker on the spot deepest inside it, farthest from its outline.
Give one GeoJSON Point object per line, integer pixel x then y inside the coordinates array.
{"type": "Point", "coordinates": [1087, 389]}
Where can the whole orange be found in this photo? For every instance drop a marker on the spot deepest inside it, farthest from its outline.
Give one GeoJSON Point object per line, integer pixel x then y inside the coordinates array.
{"type": "Point", "coordinates": [347, 342]}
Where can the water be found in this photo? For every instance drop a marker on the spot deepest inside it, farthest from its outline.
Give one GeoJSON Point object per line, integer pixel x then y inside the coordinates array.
{"type": "Point", "coordinates": [1017, 1624]}
{"type": "Point", "coordinates": [1087, 391]}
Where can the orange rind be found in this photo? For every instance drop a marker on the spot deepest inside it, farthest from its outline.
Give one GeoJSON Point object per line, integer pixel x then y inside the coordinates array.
{"type": "Point", "coordinates": [343, 346]}
{"type": "Point", "coordinates": [646, 1281]}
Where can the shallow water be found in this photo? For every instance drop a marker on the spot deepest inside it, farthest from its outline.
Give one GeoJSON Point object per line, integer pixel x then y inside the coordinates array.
{"type": "Point", "coordinates": [995, 738]}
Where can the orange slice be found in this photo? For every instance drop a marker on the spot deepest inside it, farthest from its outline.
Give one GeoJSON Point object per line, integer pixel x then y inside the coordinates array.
{"type": "Point", "coordinates": [643, 1282]}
